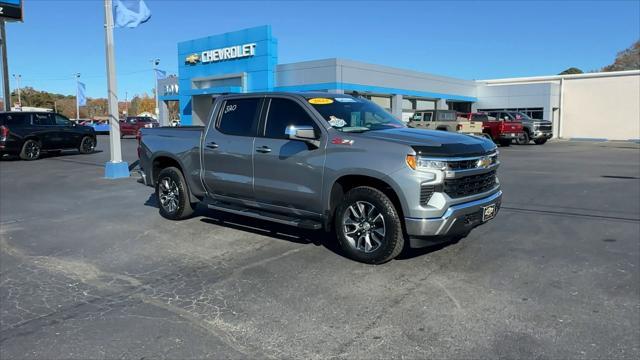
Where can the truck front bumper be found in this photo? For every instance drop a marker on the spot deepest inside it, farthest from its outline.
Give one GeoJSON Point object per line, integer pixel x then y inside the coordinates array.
{"type": "Point", "coordinates": [542, 135]}
{"type": "Point", "coordinates": [458, 219]}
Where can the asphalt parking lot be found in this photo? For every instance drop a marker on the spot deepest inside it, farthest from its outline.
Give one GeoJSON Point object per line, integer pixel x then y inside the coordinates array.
{"type": "Point", "coordinates": [88, 269]}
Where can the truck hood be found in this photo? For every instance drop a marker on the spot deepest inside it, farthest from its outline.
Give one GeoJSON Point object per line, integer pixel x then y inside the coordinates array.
{"type": "Point", "coordinates": [435, 143]}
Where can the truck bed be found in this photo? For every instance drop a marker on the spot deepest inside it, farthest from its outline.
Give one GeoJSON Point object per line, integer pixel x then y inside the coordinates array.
{"type": "Point", "coordinates": [181, 143]}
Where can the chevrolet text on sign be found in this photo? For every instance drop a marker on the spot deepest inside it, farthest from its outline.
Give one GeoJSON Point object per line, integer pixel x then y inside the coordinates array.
{"type": "Point", "coordinates": [228, 53]}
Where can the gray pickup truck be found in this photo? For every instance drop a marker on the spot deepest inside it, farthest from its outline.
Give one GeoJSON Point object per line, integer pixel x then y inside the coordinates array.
{"type": "Point", "coordinates": [533, 129]}
{"type": "Point", "coordinates": [325, 161]}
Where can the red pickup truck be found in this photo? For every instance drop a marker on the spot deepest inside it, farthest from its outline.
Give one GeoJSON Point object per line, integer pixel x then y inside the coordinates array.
{"type": "Point", "coordinates": [501, 126]}
{"type": "Point", "coordinates": [132, 124]}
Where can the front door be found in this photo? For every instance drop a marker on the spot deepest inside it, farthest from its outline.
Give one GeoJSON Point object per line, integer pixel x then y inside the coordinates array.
{"type": "Point", "coordinates": [228, 149]}
{"type": "Point", "coordinates": [70, 137]}
{"type": "Point", "coordinates": [288, 173]}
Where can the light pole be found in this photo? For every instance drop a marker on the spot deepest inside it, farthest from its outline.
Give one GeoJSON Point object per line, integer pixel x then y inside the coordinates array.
{"type": "Point", "coordinates": [126, 103]}
{"type": "Point", "coordinates": [115, 168]}
{"type": "Point", "coordinates": [155, 63]}
{"type": "Point", "coordinates": [77, 96]}
{"type": "Point", "coordinates": [17, 78]}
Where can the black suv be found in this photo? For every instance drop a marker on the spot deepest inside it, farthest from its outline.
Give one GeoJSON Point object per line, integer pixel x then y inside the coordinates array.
{"type": "Point", "coordinates": [28, 134]}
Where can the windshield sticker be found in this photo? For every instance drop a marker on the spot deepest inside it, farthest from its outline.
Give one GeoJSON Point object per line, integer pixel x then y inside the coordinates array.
{"type": "Point", "coordinates": [230, 108]}
{"type": "Point", "coordinates": [345, 100]}
{"type": "Point", "coordinates": [336, 122]}
{"type": "Point", "coordinates": [320, 101]}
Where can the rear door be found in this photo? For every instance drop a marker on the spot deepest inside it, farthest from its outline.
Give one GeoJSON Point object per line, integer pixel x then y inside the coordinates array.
{"type": "Point", "coordinates": [288, 173]}
{"type": "Point", "coordinates": [50, 135]}
{"type": "Point", "coordinates": [128, 127]}
{"type": "Point", "coordinates": [510, 125]}
{"type": "Point", "coordinates": [228, 149]}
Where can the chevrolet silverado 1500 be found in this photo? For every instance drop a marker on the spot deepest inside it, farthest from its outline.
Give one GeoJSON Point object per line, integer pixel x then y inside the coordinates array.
{"type": "Point", "coordinates": [325, 161]}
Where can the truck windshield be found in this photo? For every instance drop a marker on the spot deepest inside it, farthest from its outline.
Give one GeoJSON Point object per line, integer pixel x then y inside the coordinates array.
{"type": "Point", "coordinates": [522, 116]}
{"type": "Point", "coordinates": [350, 114]}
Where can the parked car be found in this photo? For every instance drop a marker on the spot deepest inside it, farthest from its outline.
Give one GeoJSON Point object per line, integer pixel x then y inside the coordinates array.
{"type": "Point", "coordinates": [500, 126]}
{"type": "Point", "coordinates": [325, 161]}
{"type": "Point", "coordinates": [131, 125]}
{"type": "Point", "coordinates": [99, 126]}
{"type": "Point", "coordinates": [28, 134]}
{"type": "Point", "coordinates": [446, 120]}
{"type": "Point", "coordinates": [537, 130]}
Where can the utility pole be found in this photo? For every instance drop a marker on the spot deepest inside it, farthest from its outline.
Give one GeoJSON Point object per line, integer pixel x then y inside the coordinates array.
{"type": "Point", "coordinates": [155, 63]}
{"type": "Point", "coordinates": [126, 103]}
{"type": "Point", "coordinates": [17, 78]}
{"type": "Point", "coordinates": [5, 68]}
{"type": "Point", "coordinates": [115, 168]}
{"type": "Point", "coordinates": [77, 96]}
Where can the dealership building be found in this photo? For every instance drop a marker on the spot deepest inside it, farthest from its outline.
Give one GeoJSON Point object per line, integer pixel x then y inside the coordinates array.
{"type": "Point", "coordinates": [588, 106]}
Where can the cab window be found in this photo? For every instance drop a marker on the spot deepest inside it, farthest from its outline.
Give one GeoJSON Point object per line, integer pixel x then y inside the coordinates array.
{"type": "Point", "coordinates": [239, 116]}
{"type": "Point", "coordinates": [62, 121]}
{"type": "Point", "coordinates": [283, 113]}
{"type": "Point", "coordinates": [43, 119]}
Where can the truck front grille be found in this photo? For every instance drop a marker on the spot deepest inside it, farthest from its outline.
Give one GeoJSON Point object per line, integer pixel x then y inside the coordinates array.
{"type": "Point", "coordinates": [545, 127]}
{"type": "Point", "coordinates": [425, 193]}
{"type": "Point", "coordinates": [470, 185]}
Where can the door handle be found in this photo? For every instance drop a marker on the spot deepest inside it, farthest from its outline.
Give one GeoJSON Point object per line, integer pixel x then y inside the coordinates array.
{"type": "Point", "coordinates": [212, 145]}
{"type": "Point", "coordinates": [263, 149]}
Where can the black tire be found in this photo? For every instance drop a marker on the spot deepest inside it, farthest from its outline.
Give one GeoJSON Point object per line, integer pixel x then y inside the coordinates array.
{"type": "Point", "coordinates": [87, 145]}
{"type": "Point", "coordinates": [524, 139]}
{"type": "Point", "coordinates": [172, 194]}
{"type": "Point", "coordinates": [31, 150]}
{"type": "Point", "coordinates": [390, 244]}
{"type": "Point", "coordinates": [540, 141]}
{"type": "Point", "coordinates": [505, 142]}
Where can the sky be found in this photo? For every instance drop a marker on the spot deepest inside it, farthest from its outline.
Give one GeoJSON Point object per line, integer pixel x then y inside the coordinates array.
{"type": "Point", "coordinates": [468, 40]}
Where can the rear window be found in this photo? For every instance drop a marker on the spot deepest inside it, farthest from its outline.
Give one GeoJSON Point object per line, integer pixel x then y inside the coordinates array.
{"type": "Point", "coordinates": [43, 119]}
{"type": "Point", "coordinates": [446, 116]}
{"type": "Point", "coordinates": [14, 119]}
{"type": "Point", "coordinates": [239, 117]}
{"type": "Point", "coordinates": [480, 117]}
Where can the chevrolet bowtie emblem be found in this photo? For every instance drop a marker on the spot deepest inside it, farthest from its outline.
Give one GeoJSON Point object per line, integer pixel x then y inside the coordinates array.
{"type": "Point", "coordinates": [484, 162]}
{"type": "Point", "coordinates": [192, 59]}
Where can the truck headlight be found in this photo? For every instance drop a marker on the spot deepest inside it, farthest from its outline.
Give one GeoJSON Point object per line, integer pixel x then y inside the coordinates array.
{"type": "Point", "coordinates": [419, 163]}
{"type": "Point", "coordinates": [429, 164]}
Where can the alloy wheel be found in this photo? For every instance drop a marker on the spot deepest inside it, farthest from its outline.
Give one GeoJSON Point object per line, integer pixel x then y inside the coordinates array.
{"type": "Point", "coordinates": [364, 226]}
{"type": "Point", "coordinates": [87, 145]}
{"type": "Point", "coordinates": [32, 150]}
{"type": "Point", "coordinates": [169, 194]}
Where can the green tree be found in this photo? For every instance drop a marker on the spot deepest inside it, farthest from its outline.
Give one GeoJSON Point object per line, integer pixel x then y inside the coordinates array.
{"type": "Point", "coordinates": [572, 70]}
{"type": "Point", "coordinates": [627, 59]}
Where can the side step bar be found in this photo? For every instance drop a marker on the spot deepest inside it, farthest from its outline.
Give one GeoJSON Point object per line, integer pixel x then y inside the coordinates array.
{"type": "Point", "coordinates": [264, 215]}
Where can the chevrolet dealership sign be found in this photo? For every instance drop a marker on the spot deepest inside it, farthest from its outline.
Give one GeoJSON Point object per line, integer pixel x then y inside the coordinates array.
{"type": "Point", "coordinates": [11, 10]}
{"type": "Point", "coordinates": [227, 53]}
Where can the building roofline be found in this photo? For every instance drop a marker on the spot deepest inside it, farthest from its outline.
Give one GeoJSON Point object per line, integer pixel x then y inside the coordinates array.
{"type": "Point", "coordinates": [559, 77]}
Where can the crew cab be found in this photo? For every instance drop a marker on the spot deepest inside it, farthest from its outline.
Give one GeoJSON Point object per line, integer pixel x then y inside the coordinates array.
{"type": "Point", "coordinates": [28, 134]}
{"type": "Point", "coordinates": [131, 125]}
{"type": "Point", "coordinates": [533, 129]}
{"type": "Point", "coordinates": [325, 161]}
{"type": "Point", "coordinates": [500, 126]}
{"type": "Point", "coordinates": [445, 120]}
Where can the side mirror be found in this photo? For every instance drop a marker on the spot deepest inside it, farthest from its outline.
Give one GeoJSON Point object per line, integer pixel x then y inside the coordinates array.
{"type": "Point", "coordinates": [302, 133]}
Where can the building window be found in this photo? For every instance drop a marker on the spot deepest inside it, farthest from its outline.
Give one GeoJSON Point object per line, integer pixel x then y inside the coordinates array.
{"type": "Point", "coordinates": [425, 105]}
{"type": "Point", "coordinates": [384, 102]}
